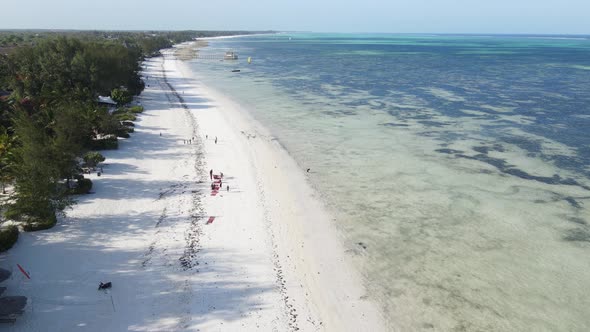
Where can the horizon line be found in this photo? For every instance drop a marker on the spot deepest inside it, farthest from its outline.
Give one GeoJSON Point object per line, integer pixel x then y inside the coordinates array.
{"type": "Point", "coordinates": [300, 31]}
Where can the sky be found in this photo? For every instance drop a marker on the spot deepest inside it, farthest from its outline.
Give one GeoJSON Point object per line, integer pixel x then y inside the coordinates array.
{"type": "Point", "coordinates": [394, 16]}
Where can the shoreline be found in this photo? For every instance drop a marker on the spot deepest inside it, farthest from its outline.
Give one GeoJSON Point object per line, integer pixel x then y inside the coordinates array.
{"type": "Point", "coordinates": [309, 247]}
{"type": "Point", "coordinates": [235, 36]}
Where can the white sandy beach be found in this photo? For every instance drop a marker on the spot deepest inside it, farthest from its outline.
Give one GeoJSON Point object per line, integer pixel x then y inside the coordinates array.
{"type": "Point", "coordinates": [270, 260]}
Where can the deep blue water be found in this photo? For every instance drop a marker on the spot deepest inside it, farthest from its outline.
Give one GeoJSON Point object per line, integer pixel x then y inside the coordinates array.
{"type": "Point", "coordinates": [545, 80]}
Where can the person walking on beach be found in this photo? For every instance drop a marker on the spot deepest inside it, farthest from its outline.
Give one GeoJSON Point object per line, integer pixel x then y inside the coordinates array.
{"type": "Point", "coordinates": [221, 174]}
{"type": "Point", "coordinates": [211, 174]}
{"type": "Point", "coordinates": [227, 187]}
{"type": "Point", "coordinates": [215, 139]}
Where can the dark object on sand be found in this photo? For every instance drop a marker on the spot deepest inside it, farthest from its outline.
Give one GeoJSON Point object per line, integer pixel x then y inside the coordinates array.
{"type": "Point", "coordinates": [4, 274]}
{"type": "Point", "coordinates": [308, 170]}
{"type": "Point", "coordinates": [11, 307]}
{"type": "Point", "coordinates": [227, 188]}
{"type": "Point", "coordinates": [235, 71]}
{"type": "Point", "coordinates": [105, 285]}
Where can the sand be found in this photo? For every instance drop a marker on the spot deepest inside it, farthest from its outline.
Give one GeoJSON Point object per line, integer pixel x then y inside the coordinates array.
{"type": "Point", "coordinates": [270, 260]}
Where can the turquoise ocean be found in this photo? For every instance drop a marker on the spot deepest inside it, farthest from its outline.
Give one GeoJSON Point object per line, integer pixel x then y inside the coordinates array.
{"type": "Point", "coordinates": [457, 167]}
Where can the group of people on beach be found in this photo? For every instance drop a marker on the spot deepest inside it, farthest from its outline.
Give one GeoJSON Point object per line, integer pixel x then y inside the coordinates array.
{"type": "Point", "coordinates": [187, 141]}
{"type": "Point", "coordinates": [218, 179]}
{"type": "Point", "coordinates": [207, 137]}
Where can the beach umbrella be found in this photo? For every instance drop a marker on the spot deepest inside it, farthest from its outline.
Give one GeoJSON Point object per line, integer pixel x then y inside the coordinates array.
{"type": "Point", "coordinates": [4, 274]}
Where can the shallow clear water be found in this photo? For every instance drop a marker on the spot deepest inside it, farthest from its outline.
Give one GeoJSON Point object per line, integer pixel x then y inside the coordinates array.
{"type": "Point", "coordinates": [458, 167]}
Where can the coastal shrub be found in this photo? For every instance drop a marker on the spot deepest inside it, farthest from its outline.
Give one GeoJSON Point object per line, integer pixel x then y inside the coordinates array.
{"type": "Point", "coordinates": [135, 109]}
{"type": "Point", "coordinates": [125, 116]}
{"type": "Point", "coordinates": [39, 224]}
{"type": "Point", "coordinates": [92, 158]}
{"type": "Point", "coordinates": [121, 96]}
{"type": "Point", "coordinates": [43, 219]}
{"type": "Point", "coordinates": [128, 123]}
{"type": "Point", "coordinates": [109, 143]}
{"type": "Point", "coordinates": [11, 213]}
{"type": "Point", "coordinates": [8, 237]}
{"type": "Point", "coordinates": [118, 111]}
{"type": "Point", "coordinates": [122, 132]}
{"type": "Point", "coordinates": [84, 186]}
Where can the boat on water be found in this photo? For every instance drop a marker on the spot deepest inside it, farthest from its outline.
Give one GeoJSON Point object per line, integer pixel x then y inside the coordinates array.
{"type": "Point", "coordinates": [230, 56]}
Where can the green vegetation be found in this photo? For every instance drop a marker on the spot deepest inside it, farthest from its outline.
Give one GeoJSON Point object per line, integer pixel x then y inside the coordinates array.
{"type": "Point", "coordinates": [121, 96]}
{"type": "Point", "coordinates": [39, 225]}
{"type": "Point", "coordinates": [105, 143]}
{"type": "Point", "coordinates": [149, 42]}
{"type": "Point", "coordinates": [125, 116]}
{"type": "Point", "coordinates": [83, 186]}
{"type": "Point", "coordinates": [92, 158]}
{"type": "Point", "coordinates": [8, 237]}
{"type": "Point", "coordinates": [49, 115]}
{"type": "Point", "coordinates": [6, 156]}
{"type": "Point", "coordinates": [38, 194]}
{"type": "Point", "coordinates": [135, 109]}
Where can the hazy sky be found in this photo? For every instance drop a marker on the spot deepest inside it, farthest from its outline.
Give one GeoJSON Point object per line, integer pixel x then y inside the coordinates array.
{"type": "Point", "coordinates": [468, 16]}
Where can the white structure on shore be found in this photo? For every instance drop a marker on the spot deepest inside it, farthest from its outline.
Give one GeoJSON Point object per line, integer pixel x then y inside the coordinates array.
{"type": "Point", "coordinates": [108, 102]}
{"type": "Point", "coordinates": [229, 55]}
